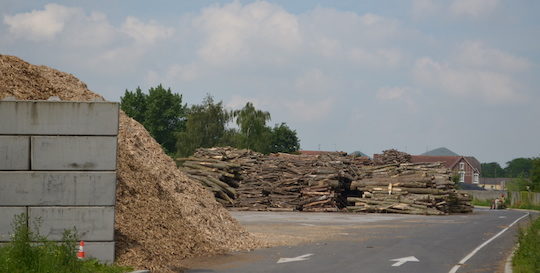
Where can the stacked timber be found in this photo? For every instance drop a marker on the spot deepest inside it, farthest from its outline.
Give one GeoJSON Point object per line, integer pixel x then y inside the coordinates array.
{"type": "Point", "coordinates": [328, 180]}
{"type": "Point", "coordinates": [274, 183]}
{"type": "Point", "coordinates": [410, 188]}
{"type": "Point", "coordinates": [247, 180]}
{"type": "Point", "coordinates": [217, 176]}
{"type": "Point", "coordinates": [391, 156]}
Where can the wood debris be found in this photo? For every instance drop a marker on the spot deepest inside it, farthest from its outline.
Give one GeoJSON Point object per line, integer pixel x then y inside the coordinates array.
{"type": "Point", "coordinates": [419, 188]}
{"type": "Point", "coordinates": [326, 182]}
{"type": "Point", "coordinates": [391, 156]}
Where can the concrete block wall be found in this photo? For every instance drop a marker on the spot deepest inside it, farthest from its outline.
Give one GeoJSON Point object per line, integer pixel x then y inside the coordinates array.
{"type": "Point", "coordinates": [58, 166]}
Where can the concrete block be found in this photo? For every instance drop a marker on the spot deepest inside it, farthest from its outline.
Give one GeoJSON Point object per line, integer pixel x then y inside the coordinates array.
{"type": "Point", "coordinates": [31, 188]}
{"type": "Point", "coordinates": [14, 152]}
{"type": "Point", "coordinates": [103, 251]}
{"type": "Point", "coordinates": [91, 223]}
{"type": "Point", "coordinates": [73, 153]}
{"type": "Point", "coordinates": [6, 218]}
{"type": "Point", "coordinates": [58, 118]}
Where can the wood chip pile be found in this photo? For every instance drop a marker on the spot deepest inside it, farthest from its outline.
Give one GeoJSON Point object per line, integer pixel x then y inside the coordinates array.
{"type": "Point", "coordinates": [161, 216]}
{"type": "Point", "coordinates": [391, 156]}
{"type": "Point", "coordinates": [329, 182]}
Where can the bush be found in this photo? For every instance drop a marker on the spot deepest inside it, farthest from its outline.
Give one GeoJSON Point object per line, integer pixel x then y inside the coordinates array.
{"type": "Point", "coordinates": [527, 256]}
{"type": "Point", "coordinates": [29, 252]}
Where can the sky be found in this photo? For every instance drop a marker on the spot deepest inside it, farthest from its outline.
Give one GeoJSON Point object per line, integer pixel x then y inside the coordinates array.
{"type": "Point", "coordinates": [346, 75]}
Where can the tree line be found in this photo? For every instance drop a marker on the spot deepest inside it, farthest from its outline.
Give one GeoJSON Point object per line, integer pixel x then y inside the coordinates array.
{"type": "Point", "coordinates": [524, 171]}
{"type": "Point", "coordinates": [181, 129]}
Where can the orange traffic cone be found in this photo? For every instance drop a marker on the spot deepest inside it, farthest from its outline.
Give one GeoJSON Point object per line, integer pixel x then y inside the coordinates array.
{"type": "Point", "coordinates": [80, 253]}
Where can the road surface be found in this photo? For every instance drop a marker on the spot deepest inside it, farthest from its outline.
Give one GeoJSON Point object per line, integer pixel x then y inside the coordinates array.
{"type": "Point", "coordinates": [371, 243]}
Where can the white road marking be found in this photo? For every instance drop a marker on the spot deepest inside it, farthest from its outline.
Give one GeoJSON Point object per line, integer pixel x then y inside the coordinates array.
{"type": "Point", "coordinates": [308, 225]}
{"type": "Point", "coordinates": [466, 258]}
{"type": "Point", "coordinates": [502, 217]}
{"type": "Point", "coordinates": [295, 259]}
{"type": "Point", "coordinates": [400, 261]}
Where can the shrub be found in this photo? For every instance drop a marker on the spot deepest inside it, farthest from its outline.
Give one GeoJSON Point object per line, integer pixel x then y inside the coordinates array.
{"type": "Point", "coordinates": [29, 252]}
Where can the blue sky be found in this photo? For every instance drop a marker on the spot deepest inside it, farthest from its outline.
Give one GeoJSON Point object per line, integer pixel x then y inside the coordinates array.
{"type": "Point", "coordinates": [347, 75]}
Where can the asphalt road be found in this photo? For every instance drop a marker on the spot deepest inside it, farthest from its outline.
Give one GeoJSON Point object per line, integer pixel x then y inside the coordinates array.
{"type": "Point", "coordinates": [373, 243]}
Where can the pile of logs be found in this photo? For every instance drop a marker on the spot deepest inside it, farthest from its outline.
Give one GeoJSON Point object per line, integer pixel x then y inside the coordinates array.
{"type": "Point", "coordinates": [217, 176]}
{"type": "Point", "coordinates": [273, 183]}
{"type": "Point", "coordinates": [419, 188]}
{"type": "Point", "coordinates": [328, 182]}
{"type": "Point", "coordinates": [391, 156]}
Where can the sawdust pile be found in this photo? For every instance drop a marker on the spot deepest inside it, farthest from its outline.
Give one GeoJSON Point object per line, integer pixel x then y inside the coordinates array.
{"type": "Point", "coordinates": [162, 216]}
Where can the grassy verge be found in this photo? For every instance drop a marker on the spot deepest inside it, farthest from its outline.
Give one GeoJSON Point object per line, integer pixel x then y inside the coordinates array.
{"type": "Point", "coordinates": [28, 252]}
{"type": "Point", "coordinates": [527, 256]}
{"type": "Point", "coordinates": [485, 203]}
{"type": "Point", "coordinates": [525, 206]}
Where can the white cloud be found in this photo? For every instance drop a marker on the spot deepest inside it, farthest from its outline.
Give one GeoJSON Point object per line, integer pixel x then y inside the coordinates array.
{"type": "Point", "coordinates": [455, 9]}
{"type": "Point", "coordinates": [93, 30]}
{"type": "Point", "coordinates": [146, 33]}
{"type": "Point", "coordinates": [476, 71]}
{"type": "Point", "coordinates": [235, 33]}
{"type": "Point", "coordinates": [391, 93]}
{"type": "Point", "coordinates": [397, 93]}
{"type": "Point", "coordinates": [40, 24]}
{"type": "Point", "coordinates": [65, 26]}
{"type": "Point", "coordinates": [310, 110]}
{"type": "Point", "coordinates": [176, 74]}
{"type": "Point", "coordinates": [238, 102]}
{"type": "Point", "coordinates": [476, 54]}
{"type": "Point", "coordinates": [473, 8]}
{"type": "Point", "coordinates": [490, 86]}
{"type": "Point", "coordinates": [421, 8]}
{"type": "Point", "coordinates": [379, 58]}
{"type": "Point", "coordinates": [314, 81]}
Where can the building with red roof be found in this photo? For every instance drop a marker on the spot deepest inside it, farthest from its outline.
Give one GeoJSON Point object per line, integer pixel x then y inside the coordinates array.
{"type": "Point", "coordinates": [467, 167]}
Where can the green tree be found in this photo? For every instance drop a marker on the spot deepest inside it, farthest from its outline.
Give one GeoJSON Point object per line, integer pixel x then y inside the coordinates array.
{"type": "Point", "coordinates": [164, 116]}
{"type": "Point", "coordinates": [519, 184]}
{"type": "Point", "coordinates": [535, 175]}
{"type": "Point", "coordinates": [254, 134]}
{"type": "Point", "coordinates": [518, 167]}
{"type": "Point", "coordinates": [284, 139]}
{"type": "Point", "coordinates": [205, 127]}
{"type": "Point", "coordinates": [134, 104]}
{"type": "Point", "coordinates": [160, 111]}
{"type": "Point", "coordinates": [492, 169]}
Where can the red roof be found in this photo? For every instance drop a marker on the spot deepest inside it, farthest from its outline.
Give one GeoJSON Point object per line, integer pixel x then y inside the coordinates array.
{"type": "Point", "coordinates": [448, 161]}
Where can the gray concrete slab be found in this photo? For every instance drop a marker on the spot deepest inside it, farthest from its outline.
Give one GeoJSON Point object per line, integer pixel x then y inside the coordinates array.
{"type": "Point", "coordinates": [73, 153]}
{"type": "Point", "coordinates": [58, 118]}
{"type": "Point", "coordinates": [14, 153]}
{"type": "Point", "coordinates": [91, 223]}
{"type": "Point", "coordinates": [103, 251]}
{"type": "Point", "coordinates": [7, 215]}
{"type": "Point", "coordinates": [39, 188]}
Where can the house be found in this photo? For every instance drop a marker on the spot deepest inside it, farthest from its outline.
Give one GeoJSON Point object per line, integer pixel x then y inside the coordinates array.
{"type": "Point", "coordinates": [494, 183]}
{"type": "Point", "coordinates": [467, 167]}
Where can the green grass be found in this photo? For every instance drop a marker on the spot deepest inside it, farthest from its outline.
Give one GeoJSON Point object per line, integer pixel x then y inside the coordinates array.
{"type": "Point", "coordinates": [527, 256]}
{"type": "Point", "coordinates": [526, 206]}
{"type": "Point", "coordinates": [28, 252]}
{"type": "Point", "coordinates": [485, 203]}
